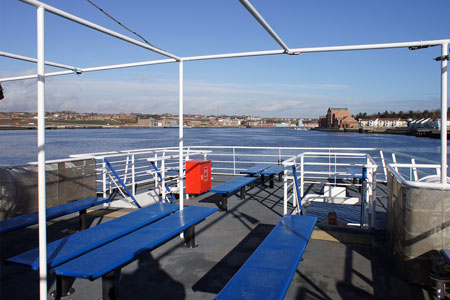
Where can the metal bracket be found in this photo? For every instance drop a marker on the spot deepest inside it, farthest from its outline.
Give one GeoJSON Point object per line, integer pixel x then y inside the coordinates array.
{"type": "Point", "coordinates": [418, 47]}
{"type": "Point", "coordinates": [441, 58]}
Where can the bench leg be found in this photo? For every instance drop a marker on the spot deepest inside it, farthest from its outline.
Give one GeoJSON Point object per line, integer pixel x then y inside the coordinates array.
{"type": "Point", "coordinates": [243, 193]}
{"type": "Point", "coordinates": [83, 221]}
{"type": "Point", "coordinates": [110, 282]}
{"type": "Point", "coordinates": [263, 178]}
{"type": "Point", "coordinates": [189, 237]}
{"type": "Point", "coordinates": [280, 177]}
{"type": "Point", "coordinates": [223, 202]}
{"type": "Point", "coordinates": [271, 182]}
{"type": "Point", "coordinates": [63, 287]}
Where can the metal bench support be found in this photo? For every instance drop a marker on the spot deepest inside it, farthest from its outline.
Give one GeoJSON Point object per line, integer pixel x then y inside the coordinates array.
{"type": "Point", "coordinates": [189, 237]}
{"type": "Point", "coordinates": [110, 282]}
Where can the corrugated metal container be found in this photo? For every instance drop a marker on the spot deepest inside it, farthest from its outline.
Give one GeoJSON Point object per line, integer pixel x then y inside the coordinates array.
{"type": "Point", "coordinates": [66, 181]}
{"type": "Point", "coordinates": [418, 225]}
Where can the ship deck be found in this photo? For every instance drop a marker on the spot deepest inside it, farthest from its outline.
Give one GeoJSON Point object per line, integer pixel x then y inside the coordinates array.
{"type": "Point", "coordinates": [339, 262]}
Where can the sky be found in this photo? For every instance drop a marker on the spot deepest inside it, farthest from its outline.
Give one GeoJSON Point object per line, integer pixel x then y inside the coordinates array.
{"type": "Point", "coordinates": [299, 86]}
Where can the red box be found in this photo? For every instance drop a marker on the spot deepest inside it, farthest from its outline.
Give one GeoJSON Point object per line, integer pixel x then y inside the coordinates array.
{"type": "Point", "coordinates": [198, 176]}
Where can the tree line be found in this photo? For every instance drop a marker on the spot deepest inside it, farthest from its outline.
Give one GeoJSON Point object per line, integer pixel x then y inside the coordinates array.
{"type": "Point", "coordinates": [434, 114]}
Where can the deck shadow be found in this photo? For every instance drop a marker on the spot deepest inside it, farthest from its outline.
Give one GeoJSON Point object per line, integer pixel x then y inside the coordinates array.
{"type": "Point", "coordinates": [149, 281]}
{"type": "Point", "coordinates": [224, 270]}
{"type": "Point", "coordinates": [12, 243]}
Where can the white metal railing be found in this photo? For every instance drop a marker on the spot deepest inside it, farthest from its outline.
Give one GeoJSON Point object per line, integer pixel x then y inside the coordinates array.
{"type": "Point", "coordinates": [313, 167]}
{"type": "Point", "coordinates": [134, 168]}
{"type": "Point", "coordinates": [419, 175]}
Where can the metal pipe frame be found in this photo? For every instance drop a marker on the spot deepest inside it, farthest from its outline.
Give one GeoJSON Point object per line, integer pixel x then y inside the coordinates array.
{"type": "Point", "coordinates": [444, 108]}
{"type": "Point", "coordinates": [94, 26]}
{"type": "Point", "coordinates": [181, 136]}
{"type": "Point", "coordinates": [252, 10]}
{"type": "Point", "coordinates": [41, 154]}
{"type": "Point", "coordinates": [247, 54]}
{"type": "Point", "coordinates": [34, 60]}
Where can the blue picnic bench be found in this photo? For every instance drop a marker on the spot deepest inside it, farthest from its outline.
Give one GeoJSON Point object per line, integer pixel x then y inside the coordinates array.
{"type": "Point", "coordinates": [255, 170]}
{"type": "Point", "coordinates": [54, 212]}
{"type": "Point", "coordinates": [107, 260]}
{"type": "Point", "coordinates": [269, 270]}
{"type": "Point", "coordinates": [271, 171]}
{"type": "Point", "coordinates": [231, 186]}
{"type": "Point", "coordinates": [69, 247]}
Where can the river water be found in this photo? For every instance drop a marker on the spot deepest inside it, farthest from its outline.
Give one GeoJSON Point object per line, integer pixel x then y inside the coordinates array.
{"type": "Point", "coordinates": [18, 147]}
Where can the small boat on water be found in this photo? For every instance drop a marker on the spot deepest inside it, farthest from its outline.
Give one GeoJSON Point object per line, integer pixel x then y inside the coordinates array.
{"type": "Point", "coordinates": [390, 250]}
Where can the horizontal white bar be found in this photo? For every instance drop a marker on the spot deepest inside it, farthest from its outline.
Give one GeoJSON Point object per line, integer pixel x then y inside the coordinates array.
{"type": "Point", "coordinates": [233, 55]}
{"type": "Point", "coordinates": [371, 46]}
{"type": "Point", "coordinates": [34, 60]}
{"type": "Point", "coordinates": [128, 65]}
{"type": "Point", "coordinates": [35, 76]}
{"type": "Point", "coordinates": [94, 26]}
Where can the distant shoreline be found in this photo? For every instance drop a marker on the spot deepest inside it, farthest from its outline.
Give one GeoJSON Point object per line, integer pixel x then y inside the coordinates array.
{"type": "Point", "coordinates": [421, 132]}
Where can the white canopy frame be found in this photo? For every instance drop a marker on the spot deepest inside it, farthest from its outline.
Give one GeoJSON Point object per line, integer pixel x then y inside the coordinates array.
{"type": "Point", "coordinates": [41, 75]}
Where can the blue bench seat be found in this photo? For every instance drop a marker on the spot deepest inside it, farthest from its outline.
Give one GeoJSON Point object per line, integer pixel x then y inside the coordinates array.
{"type": "Point", "coordinates": [231, 186]}
{"type": "Point", "coordinates": [52, 213]}
{"type": "Point", "coordinates": [255, 170]}
{"type": "Point", "coordinates": [269, 270]}
{"type": "Point", "coordinates": [271, 171]}
{"type": "Point", "coordinates": [81, 242]}
{"type": "Point", "coordinates": [107, 260]}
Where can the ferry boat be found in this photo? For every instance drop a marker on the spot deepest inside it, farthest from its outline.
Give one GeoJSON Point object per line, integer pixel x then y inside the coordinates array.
{"type": "Point", "coordinates": [391, 250]}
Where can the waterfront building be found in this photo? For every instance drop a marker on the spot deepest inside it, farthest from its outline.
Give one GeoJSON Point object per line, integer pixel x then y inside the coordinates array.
{"type": "Point", "coordinates": [338, 118]}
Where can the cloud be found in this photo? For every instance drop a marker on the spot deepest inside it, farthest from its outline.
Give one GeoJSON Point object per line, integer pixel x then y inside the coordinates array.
{"type": "Point", "coordinates": [145, 94]}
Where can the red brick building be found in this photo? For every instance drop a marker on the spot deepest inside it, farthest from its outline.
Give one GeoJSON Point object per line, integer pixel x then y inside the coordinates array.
{"type": "Point", "coordinates": [338, 118]}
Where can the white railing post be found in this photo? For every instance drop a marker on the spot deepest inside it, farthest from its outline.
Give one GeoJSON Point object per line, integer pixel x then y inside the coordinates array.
{"type": "Point", "coordinates": [133, 176]}
{"type": "Point", "coordinates": [394, 160]}
{"type": "Point", "coordinates": [285, 195]}
{"type": "Point", "coordinates": [302, 172]}
{"type": "Point", "coordinates": [163, 179]}
{"type": "Point", "coordinates": [125, 175]}
{"type": "Point", "coordinates": [104, 178]}
{"type": "Point", "coordinates": [383, 162]}
{"type": "Point", "coordinates": [444, 109]}
{"type": "Point", "coordinates": [234, 161]}
{"type": "Point", "coordinates": [414, 169]}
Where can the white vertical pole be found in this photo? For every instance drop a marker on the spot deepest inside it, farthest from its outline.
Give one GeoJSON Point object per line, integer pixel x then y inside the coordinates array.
{"type": "Point", "coordinates": [41, 155]}
{"type": "Point", "coordinates": [180, 141]}
{"type": "Point", "coordinates": [444, 108]}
